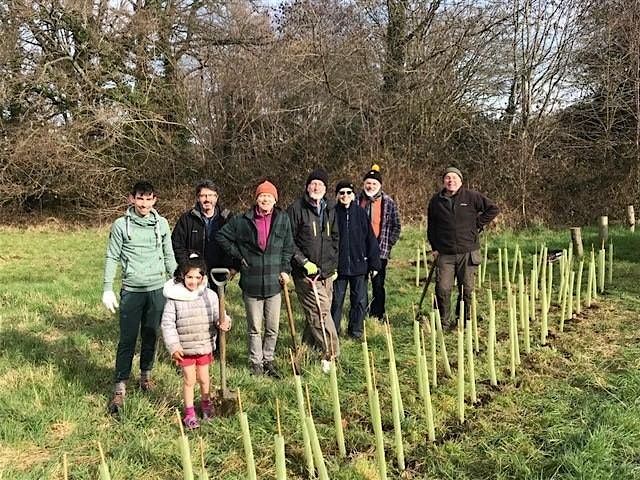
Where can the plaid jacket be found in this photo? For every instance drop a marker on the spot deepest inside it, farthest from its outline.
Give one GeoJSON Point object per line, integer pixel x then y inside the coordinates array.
{"type": "Point", "coordinates": [259, 271]}
{"type": "Point", "coordinates": [390, 228]}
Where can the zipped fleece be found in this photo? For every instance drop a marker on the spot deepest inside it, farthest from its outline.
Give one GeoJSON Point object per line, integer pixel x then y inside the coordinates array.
{"type": "Point", "coordinates": [142, 247]}
{"type": "Point", "coordinates": [190, 234]}
{"type": "Point", "coordinates": [454, 223]}
{"type": "Point", "coordinates": [259, 270]}
{"type": "Point", "coordinates": [314, 240]}
{"type": "Point", "coordinates": [358, 251]}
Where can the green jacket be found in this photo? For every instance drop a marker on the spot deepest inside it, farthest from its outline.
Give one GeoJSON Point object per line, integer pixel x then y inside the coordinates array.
{"type": "Point", "coordinates": [142, 247]}
{"type": "Point", "coordinates": [259, 271]}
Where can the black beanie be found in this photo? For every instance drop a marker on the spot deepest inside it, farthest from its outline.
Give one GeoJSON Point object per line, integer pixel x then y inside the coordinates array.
{"type": "Point", "coordinates": [374, 173]}
{"type": "Point", "coordinates": [318, 174]}
{"type": "Point", "coordinates": [345, 183]}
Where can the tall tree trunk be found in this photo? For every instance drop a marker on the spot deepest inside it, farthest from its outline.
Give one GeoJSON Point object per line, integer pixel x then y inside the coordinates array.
{"type": "Point", "coordinates": [396, 53]}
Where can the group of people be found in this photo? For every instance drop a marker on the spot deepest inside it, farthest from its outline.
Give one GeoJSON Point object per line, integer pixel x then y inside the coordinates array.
{"type": "Point", "coordinates": [324, 243]}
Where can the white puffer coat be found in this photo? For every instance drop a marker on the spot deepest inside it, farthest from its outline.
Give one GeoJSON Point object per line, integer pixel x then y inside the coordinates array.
{"type": "Point", "coordinates": [190, 319]}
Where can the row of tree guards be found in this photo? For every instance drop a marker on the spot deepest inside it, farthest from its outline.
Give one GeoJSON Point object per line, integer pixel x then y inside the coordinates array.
{"type": "Point", "coordinates": [529, 294]}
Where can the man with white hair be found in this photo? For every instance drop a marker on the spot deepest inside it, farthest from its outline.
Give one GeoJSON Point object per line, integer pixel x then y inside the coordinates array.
{"type": "Point", "coordinates": [385, 221]}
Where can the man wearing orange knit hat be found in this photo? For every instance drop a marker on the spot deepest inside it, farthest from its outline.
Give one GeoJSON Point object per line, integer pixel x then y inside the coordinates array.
{"type": "Point", "coordinates": [261, 241]}
{"type": "Point", "coordinates": [385, 221]}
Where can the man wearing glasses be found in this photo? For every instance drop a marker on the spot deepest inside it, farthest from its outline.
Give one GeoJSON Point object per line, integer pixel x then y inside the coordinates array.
{"type": "Point", "coordinates": [196, 229]}
{"type": "Point", "coordinates": [358, 255]}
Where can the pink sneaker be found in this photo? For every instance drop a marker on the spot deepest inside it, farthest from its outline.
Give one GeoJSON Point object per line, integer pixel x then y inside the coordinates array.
{"type": "Point", "coordinates": [191, 422]}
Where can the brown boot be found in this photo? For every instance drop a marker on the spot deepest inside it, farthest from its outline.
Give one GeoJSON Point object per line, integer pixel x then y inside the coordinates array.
{"type": "Point", "coordinates": [146, 385]}
{"type": "Point", "coordinates": [116, 403]}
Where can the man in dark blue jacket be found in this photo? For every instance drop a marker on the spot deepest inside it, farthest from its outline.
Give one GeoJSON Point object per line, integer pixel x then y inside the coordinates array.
{"type": "Point", "coordinates": [358, 254]}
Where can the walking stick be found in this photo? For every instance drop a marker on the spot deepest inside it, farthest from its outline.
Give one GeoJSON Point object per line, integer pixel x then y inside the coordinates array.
{"type": "Point", "coordinates": [292, 328]}
{"type": "Point", "coordinates": [426, 285]}
{"type": "Point", "coordinates": [314, 287]}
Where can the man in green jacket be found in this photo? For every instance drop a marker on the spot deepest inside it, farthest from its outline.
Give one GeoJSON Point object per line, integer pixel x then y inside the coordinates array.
{"type": "Point", "coordinates": [261, 242]}
{"type": "Point", "coordinates": [140, 242]}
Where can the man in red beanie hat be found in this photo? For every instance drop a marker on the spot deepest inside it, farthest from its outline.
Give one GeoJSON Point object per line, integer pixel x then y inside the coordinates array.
{"type": "Point", "coordinates": [261, 242]}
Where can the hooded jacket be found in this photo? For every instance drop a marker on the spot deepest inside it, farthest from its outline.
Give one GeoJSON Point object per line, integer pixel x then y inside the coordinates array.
{"type": "Point", "coordinates": [142, 247]}
{"type": "Point", "coordinates": [315, 236]}
{"type": "Point", "coordinates": [358, 251]}
{"type": "Point", "coordinates": [190, 319]}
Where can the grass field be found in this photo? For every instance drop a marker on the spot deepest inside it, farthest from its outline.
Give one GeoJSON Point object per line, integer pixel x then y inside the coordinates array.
{"type": "Point", "coordinates": [573, 411]}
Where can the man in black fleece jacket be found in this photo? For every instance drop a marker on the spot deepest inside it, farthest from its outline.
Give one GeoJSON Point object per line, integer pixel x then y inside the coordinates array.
{"type": "Point", "coordinates": [455, 218]}
{"type": "Point", "coordinates": [196, 228]}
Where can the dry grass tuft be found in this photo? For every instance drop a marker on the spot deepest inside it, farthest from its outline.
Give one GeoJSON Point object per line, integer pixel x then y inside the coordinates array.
{"type": "Point", "coordinates": [22, 457]}
{"type": "Point", "coordinates": [61, 430]}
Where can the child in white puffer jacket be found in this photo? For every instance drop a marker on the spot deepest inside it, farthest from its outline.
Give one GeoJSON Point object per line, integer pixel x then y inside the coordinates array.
{"type": "Point", "coordinates": [190, 324]}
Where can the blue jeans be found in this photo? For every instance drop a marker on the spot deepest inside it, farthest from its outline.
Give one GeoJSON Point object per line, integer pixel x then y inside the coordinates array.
{"type": "Point", "coordinates": [357, 298]}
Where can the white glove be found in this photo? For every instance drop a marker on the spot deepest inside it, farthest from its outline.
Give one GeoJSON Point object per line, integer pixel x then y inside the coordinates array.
{"type": "Point", "coordinates": [109, 301]}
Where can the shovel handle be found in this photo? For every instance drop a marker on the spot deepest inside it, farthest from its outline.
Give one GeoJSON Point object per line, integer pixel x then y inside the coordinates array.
{"type": "Point", "coordinates": [223, 360]}
{"type": "Point", "coordinates": [219, 271]}
{"type": "Point", "coordinates": [223, 335]}
{"type": "Point", "coordinates": [292, 326]}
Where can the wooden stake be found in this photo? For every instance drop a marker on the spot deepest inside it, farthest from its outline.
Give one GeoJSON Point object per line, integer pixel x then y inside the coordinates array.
{"type": "Point", "coordinates": [491, 340]}
{"type": "Point", "coordinates": [576, 239]}
{"type": "Point", "coordinates": [603, 230]}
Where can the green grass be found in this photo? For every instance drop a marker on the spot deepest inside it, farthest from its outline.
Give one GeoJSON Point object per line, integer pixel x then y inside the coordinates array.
{"type": "Point", "coordinates": [573, 411]}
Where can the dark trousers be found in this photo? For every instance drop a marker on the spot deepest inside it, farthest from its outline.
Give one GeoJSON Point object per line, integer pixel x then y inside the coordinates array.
{"type": "Point", "coordinates": [139, 312]}
{"type": "Point", "coordinates": [357, 299]}
{"type": "Point", "coordinates": [318, 316]}
{"type": "Point", "coordinates": [461, 267]}
{"type": "Point", "coordinates": [377, 292]}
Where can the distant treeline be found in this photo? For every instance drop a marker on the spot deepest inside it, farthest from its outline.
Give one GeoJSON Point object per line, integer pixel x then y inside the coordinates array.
{"type": "Point", "coordinates": [537, 102]}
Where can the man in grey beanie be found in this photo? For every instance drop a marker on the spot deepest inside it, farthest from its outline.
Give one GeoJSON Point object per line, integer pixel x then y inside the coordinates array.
{"type": "Point", "coordinates": [455, 218]}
